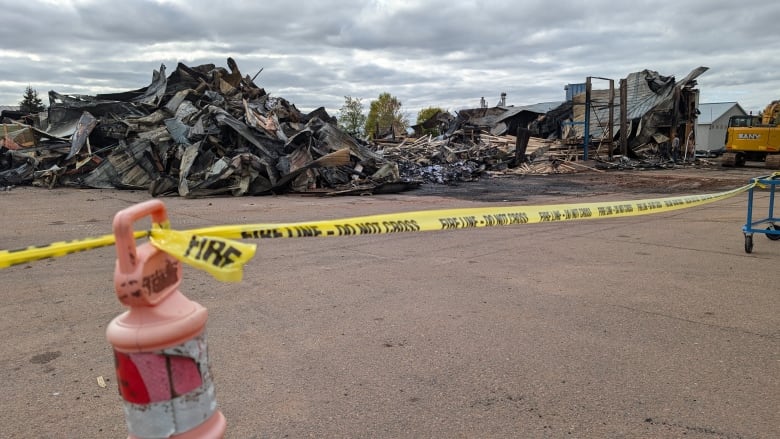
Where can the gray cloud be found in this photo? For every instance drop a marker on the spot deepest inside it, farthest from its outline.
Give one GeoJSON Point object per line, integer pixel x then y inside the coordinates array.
{"type": "Point", "coordinates": [427, 53]}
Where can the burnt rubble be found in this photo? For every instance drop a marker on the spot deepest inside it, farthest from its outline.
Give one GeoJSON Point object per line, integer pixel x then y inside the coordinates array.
{"type": "Point", "coordinates": [197, 132]}
{"type": "Point", "coordinates": [207, 130]}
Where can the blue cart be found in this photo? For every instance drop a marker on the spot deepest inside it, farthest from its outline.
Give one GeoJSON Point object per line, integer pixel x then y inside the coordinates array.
{"type": "Point", "coordinates": [772, 231]}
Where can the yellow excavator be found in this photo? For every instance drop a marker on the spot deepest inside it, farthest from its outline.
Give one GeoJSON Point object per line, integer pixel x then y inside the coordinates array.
{"type": "Point", "coordinates": [755, 138]}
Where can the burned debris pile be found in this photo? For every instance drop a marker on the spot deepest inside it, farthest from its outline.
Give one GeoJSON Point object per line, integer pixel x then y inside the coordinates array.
{"type": "Point", "coordinates": [210, 130]}
{"type": "Point", "coordinates": [459, 157]}
{"type": "Point", "coordinates": [199, 131]}
{"type": "Point", "coordinates": [206, 130]}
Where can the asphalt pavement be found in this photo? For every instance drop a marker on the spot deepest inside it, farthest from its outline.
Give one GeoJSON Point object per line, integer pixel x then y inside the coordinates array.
{"type": "Point", "coordinates": [656, 326]}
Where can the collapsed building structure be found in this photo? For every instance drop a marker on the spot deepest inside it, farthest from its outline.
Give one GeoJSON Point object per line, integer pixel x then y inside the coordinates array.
{"type": "Point", "coordinates": [647, 110]}
{"type": "Point", "coordinates": [209, 130]}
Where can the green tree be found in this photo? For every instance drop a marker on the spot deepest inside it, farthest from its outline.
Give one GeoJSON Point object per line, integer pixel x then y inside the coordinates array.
{"type": "Point", "coordinates": [30, 102]}
{"type": "Point", "coordinates": [351, 117]}
{"type": "Point", "coordinates": [385, 115]}
{"type": "Point", "coordinates": [425, 114]}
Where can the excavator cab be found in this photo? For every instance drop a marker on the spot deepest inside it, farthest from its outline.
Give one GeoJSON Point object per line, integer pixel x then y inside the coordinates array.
{"type": "Point", "coordinates": [743, 121]}
{"type": "Point", "coordinates": [754, 138]}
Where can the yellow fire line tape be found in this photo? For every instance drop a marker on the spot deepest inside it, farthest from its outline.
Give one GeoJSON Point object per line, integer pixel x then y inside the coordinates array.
{"type": "Point", "coordinates": [452, 219]}
{"type": "Point", "coordinates": [56, 249]}
{"type": "Point", "coordinates": [222, 258]}
{"type": "Point", "coordinates": [210, 248]}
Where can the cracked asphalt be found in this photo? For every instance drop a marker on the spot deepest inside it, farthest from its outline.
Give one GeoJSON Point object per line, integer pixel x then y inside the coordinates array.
{"type": "Point", "coordinates": [653, 326]}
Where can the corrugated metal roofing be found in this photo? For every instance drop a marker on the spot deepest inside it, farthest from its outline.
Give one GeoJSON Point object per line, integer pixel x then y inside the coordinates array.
{"type": "Point", "coordinates": [709, 113]}
{"type": "Point", "coordinates": [542, 107]}
{"type": "Point", "coordinates": [494, 115]}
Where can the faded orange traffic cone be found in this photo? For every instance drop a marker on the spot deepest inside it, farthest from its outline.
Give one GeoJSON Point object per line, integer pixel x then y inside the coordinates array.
{"type": "Point", "coordinates": [160, 349]}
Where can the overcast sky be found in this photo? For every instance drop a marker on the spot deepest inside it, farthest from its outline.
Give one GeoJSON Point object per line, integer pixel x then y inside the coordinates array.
{"type": "Point", "coordinates": [442, 53]}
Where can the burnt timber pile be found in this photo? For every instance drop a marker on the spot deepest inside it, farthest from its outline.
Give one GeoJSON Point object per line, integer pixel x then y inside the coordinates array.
{"type": "Point", "coordinates": [208, 130]}
{"type": "Point", "coordinates": [200, 131]}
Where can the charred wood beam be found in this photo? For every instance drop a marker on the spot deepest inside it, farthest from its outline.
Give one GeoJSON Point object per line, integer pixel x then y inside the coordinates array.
{"type": "Point", "coordinates": [224, 118]}
{"type": "Point", "coordinates": [521, 144]}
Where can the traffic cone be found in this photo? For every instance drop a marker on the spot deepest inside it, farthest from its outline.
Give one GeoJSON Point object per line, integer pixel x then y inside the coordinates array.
{"type": "Point", "coordinates": [160, 349]}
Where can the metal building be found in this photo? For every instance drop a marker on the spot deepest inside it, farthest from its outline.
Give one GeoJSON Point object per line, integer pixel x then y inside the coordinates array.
{"type": "Point", "coordinates": [712, 123]}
